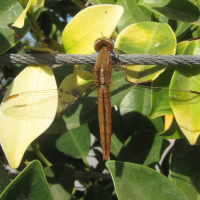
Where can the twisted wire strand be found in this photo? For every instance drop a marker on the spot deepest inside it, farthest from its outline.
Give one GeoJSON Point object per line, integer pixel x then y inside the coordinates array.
{"type": "Point", "coordinates": [123, 59]}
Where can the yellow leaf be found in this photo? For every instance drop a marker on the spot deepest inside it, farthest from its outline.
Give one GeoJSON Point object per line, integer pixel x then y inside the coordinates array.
{"type": "Point", "coordinates": [168, 121]}
{"type": "Point", "coordinates": [185, 105]}
{"type": "Point", "coordinates": [145, 38]}
{"type": "Point", "coordinates": [88, 25]}
{"type": "Point", "coordinates": [25, 119]}
{"type": "Point", "coordinates": [19, 23]}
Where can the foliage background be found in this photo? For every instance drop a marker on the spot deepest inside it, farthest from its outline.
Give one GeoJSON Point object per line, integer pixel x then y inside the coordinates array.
{"type": "Point", "coordinates": [134, 138]}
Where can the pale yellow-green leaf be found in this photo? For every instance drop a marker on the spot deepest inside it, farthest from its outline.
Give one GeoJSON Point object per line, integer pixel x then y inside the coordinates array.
{"type": "Point", "coordinates": [145, 38]}
{"type": "Point", "coordinates": [186, 105]}
{"type": "Point", "coordinates": [19, 23]}
{"type": "Point", "coordinates": [28, 115]}
{"type": "Point", "coordinates": [88, 25]}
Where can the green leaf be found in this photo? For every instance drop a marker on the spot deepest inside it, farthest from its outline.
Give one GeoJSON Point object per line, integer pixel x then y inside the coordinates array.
{"type": "Point", "coordinates": [173, 132]}
{"type": "Point", "coordinates": [47, 144]}
{"type": "Point", "coordinates": [140, 182]}
{"type": "Point", "coordinates": [145, 38]}
{"type": "Point", "coordinates": [184, 168]}
{"type": "Point", "coordinates": [29, 184]}
{"type": "Point", "coordinates": [185, 11]}
{"type": "Point", "coordinates": [61, 181]}
{"type": "Point", "coordinates": [10, 10]}
{"type": "Point", "coordinates": [133, 13]}
{"type": "Point", "coordinates": [160, 98]}
{"type": "Point", "coordinates": [181, 29]}
{"type": "Point", "coordinates": [142, 148]}
{"type": "Point", "coordinates": [134, 110]}
{"type": "Point", "coordinates": [88, 25]}
{"type": "Point", "coordinates": [185, 105]}
{"type": "Point", "coordinates": [97, 192]}
{"type": "Point", "coordinates": [75, 143]}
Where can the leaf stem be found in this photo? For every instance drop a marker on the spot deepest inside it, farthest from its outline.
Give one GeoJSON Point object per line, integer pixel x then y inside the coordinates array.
{"type": "Point", "coordinates": [108, 185]}
{"type": "Point", "coordinates": [86, 163]}
{"type": "Point", "coordinates": [41, 156]}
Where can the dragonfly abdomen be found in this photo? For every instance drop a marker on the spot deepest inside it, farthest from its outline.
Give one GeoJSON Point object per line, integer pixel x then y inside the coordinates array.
{"type": "Point", "coordinates": [104, 112]}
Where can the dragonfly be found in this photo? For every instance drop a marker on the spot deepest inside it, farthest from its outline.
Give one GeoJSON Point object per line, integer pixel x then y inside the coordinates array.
{"type": "Point", "coordinates": [80, 97]}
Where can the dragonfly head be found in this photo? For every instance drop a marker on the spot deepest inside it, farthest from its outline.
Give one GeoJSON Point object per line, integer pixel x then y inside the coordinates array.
{"type": "Point", "coordinates": [103, 42]}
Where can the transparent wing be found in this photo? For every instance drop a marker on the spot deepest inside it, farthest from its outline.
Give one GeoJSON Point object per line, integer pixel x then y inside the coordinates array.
{"type": "Point", "coordinates": [31, 104]}
{"type": "Point", "coordinates": [131, 94]}
{"type": "Point", "coordinates": [41, 103]}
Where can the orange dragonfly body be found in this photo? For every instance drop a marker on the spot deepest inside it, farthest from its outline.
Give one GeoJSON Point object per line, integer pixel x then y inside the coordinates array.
{"type": "Point", "coordinates": [102, 74]}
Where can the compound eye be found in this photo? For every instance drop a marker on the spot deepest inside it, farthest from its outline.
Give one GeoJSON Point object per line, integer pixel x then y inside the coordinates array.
{"type": "Point", "coordinates": [100, 42]}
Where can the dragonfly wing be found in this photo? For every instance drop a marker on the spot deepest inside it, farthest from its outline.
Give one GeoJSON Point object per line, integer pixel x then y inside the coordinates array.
{"type": "Point", "coordinates": [82, 103]}
{"type": "Point", "coordinates": [158, 98]}
{"type": "Point", "coordinates": [38, 104]}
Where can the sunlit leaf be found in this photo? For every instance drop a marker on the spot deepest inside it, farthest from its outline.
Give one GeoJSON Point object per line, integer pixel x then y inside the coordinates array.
{"type": "Point", "coordinates": [18, 129]}
{"type": "Point", "coordinates": [186, 105]}
{"type": "Point", "coordinates": [88, 25]}
{"type": "Point", "coordinates": [19, 23]}
{"type": "Point", "coordinates": [145, 38]}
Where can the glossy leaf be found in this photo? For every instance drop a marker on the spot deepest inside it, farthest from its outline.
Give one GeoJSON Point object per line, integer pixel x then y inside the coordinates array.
{"type": "Point", "coordinates": [75, 143]}
{"type": "Point", "coordinates": [140, 182]}
{"type": "Point", "coordinates": [173, 132]}
{"type": "Point", "coordinates": [94, 21]}
{"type": "Point", "coordinates": [7, 40]}
{"type": "Point", "coordinates": [19, 23]}
{"type": "Point", "coordinates": [184, 168]}
{"type": "Point", "coordinates": [29, 184]}
{"type": "Point", "coordinates": [141, 148]}
{"type": "Point", "coordinates": [145, 38]}
{"type": "Point", "coordinates": [26, 119]}
{"type": "Point", "coordinates": [186, 107]}
{"type": "Point", "coordinates": [161, 104]}
{"type": "Point", "coordinates": [186, 11]}
{"type": "Point", "coordinates": [133, 13]}
{"type": "Point", "coordinates": [134, 110]}
{"type": "Point", "coordinates": [61, 181]}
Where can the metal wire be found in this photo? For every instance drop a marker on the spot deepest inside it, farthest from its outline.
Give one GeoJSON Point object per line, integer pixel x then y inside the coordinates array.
{"type": "Point", "coordinates": [123, 59]}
